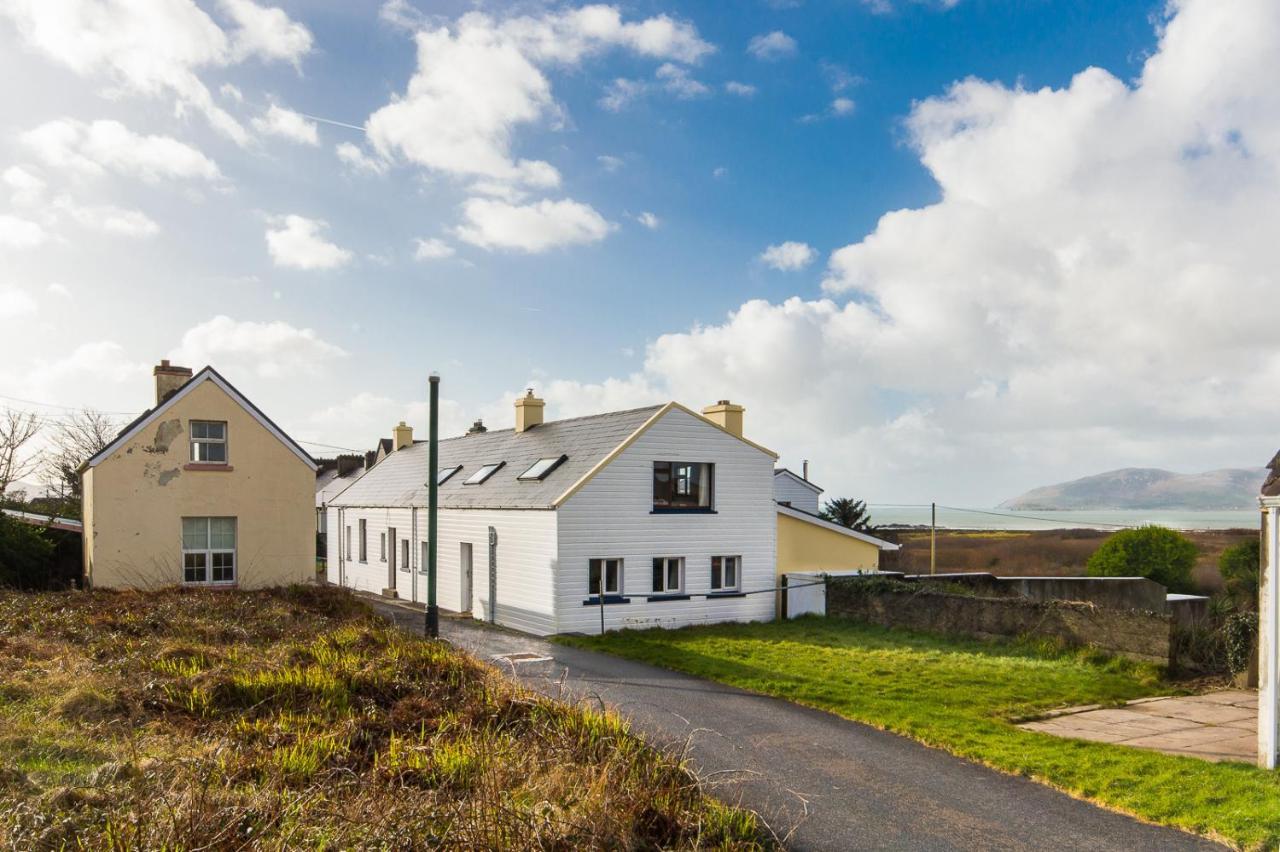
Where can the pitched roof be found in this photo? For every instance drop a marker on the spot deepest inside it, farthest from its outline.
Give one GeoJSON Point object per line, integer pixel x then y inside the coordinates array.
{"type": "Point", "coordinates": [798, 478]}
{"type": "Point", "coordinates": [329, 484]}
{"type": "Point", "coordinates": [208, 374]}
{"type": "Point", "coordinates": [1271, 488]}
{"type": "Point", "coordinates": [809, 518]}
{"type": "Point", "coordinates": [400, 478]}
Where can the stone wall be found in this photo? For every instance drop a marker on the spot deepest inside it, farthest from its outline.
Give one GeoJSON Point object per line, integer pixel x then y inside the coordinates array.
{"type": "Point", "coordinates": [1129, 633]}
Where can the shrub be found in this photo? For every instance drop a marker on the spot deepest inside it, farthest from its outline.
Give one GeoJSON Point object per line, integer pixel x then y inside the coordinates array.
{"type": "Point", "coordinates": [1160, 554]}
{"type": "Point", "coordinates": [1240, 565]}
{"type": "Point", "coordinates": [1237, 634]}
{"type": "Point", "coordinates": [24, 554]}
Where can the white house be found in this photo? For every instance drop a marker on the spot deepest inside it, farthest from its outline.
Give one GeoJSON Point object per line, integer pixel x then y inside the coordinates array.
{"type": "Point", "coordinates": [793, 489]}
{"type": "Point", "coordinates": [668, 513]}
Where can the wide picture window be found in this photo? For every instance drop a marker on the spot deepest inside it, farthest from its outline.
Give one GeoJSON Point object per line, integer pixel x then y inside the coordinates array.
{"type": "Point", "coordinates": [682, 486]}
{"type": "Point", "coordinates": [209, 550]}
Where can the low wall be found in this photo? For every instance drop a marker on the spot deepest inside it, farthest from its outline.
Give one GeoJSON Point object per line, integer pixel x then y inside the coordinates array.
{"type": "Point", "coordinates": [1111, 592]}
{"type": "Point", "coordinates": [1129, 633]}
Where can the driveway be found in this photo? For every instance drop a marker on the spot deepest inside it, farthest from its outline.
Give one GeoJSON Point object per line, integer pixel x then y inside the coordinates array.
{"type": "Point", "coordinates": [821, 782]}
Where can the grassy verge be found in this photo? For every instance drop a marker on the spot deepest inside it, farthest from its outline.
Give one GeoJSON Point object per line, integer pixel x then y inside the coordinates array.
{"type": "Point", "coordinates": [297, 719]}
{"type": "Point", "coordinates": [964, 697]}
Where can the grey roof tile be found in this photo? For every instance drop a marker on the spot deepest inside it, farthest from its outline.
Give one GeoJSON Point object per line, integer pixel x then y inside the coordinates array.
{"type": "Point", "coordinates": [400, 478]}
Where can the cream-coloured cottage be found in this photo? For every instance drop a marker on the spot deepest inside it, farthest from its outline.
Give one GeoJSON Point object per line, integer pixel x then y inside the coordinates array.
{"type": "Point", "coordinates": [202, 489]}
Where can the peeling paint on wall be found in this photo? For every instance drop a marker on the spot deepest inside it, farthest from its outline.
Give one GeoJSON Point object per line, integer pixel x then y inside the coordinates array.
{"type": "Point", "coordinates": [165, 434]}
{"type": "Point", "coordinates": [167, 476]}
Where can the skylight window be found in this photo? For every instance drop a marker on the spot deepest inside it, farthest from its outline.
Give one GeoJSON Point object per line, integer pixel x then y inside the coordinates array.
{"type": "Point", "coordinates": [483, 473]}
{"type": "Point", "coordinates": [542, 468]}
{"type": "Point", "coordinates": [442, 475]}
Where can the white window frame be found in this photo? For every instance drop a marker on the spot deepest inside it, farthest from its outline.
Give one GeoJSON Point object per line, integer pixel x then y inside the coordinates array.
{"type": "Point", "coordinates": [405, 556]}
{"type": "Point", "coordinates": [483, 473]}
{"type": "Point", "coordinates": [604, 568]}
{"type": "Point", "coordinates": [209, 551]}
{"type": "Point", "coordinates": [207, 441]}
{"type": "Point", "coordinates": [667, 564]}
{"type": "Point", "coordinates": [542, 468]}
{"type": "Point", "coordinates": [736, 586]}
{"type": "Point", "coordinates": [348, 542]}
{"type": "Point", "coordinates": [382, 547]}
{"type": "Point", "coordinates": [364, 540]}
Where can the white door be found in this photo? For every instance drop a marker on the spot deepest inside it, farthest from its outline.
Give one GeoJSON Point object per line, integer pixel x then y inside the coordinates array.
{"type": "Point", "coordinates": [464, 564]}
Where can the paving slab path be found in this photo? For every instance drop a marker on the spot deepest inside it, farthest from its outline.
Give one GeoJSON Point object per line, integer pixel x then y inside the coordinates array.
{"type": "Point", "coordinates": [1215, 726]}
{"type": "Point", "coordinates": [820, 781]}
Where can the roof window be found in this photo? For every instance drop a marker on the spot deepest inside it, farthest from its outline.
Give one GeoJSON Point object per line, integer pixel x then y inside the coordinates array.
{"type": "Point", "coordinates": [483, 474]}
{"type": "Point", "coordinates": [542, 468]}
{"type": "Point", "coordinates": [442, 475]}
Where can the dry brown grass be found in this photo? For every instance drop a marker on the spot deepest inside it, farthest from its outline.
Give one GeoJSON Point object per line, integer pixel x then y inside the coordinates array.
{"type": "Point", "coordinates": [1045, 553]}
{"type": "Point", "coordinates": [296, 718]}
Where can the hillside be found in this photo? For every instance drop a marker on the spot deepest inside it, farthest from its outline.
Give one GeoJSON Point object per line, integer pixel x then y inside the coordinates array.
{"type": "Point", "coordinates": [1148, 488]}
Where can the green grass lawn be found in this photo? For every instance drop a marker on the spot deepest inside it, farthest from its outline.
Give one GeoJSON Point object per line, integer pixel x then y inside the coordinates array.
{"type": "Point", "coordinates": [964, 696]}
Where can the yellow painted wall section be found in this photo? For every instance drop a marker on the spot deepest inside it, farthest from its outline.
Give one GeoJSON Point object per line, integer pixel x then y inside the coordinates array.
{"type": "Point", "coordinates": [808, 547]}
{"type": "Point", "coordinates": [136, 498]}
{"type": "Point", "coordinates": [86, 516]}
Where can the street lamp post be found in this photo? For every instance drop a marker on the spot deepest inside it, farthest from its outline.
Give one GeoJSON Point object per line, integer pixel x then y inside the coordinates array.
{"type": "Point", "coordinates": [433, 463]}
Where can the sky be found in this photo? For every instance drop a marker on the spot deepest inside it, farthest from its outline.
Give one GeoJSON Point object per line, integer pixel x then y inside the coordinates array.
{"type": "Point", "coordinates": [943, 249]}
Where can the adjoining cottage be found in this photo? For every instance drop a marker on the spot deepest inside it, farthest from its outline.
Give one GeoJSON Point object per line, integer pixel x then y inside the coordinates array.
{"type": "Point", "coordinates": [202, 489]}
{"type": "Point", "coordinates": [808, 543]}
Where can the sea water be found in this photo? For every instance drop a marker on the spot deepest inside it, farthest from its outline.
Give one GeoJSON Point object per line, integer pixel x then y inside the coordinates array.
{"type": "Point", "coordinates": [1103, 519]}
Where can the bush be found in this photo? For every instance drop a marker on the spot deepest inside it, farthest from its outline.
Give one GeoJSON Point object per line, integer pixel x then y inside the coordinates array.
{"type": "Point", "coordinates": [1237, 634]}
{"type": "Point", "coordinates": [1160, 554]}
{"type": "Point", "coordinates": [24, 554]}
{"type": "Point", "coordinates": [1240, 566]}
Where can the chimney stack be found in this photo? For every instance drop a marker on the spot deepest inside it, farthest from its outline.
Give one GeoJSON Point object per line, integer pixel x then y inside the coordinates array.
{"type": "Point", "coordinates": [528, 411]}
{"type": "Point", "coordinates": [477, 428]}
{"type": "Point", "coordinates": [168, 379]}
{"type": "Point", "coordinates": [401, 436]}
{"type": "Point", "coordinates": [726, 415]}
{"type": "Point", "coordinates": [806, 470]}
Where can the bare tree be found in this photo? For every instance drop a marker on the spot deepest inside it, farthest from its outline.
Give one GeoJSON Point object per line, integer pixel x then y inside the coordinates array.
{"type": "Point", "coordinates": [17, 430]}
{"type": "Point", "coordinates": [79, 437]}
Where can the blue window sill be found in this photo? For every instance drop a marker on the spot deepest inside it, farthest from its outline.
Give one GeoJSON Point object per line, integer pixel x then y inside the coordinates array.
{"type": "Point", "coordinates": [677, 511]}
{"type": "Point", "coordinates": [608, 599]}
{"type": "Point", "coordinates": [653, 598]}
{"type": "Point", "coordinates": [726, 594]}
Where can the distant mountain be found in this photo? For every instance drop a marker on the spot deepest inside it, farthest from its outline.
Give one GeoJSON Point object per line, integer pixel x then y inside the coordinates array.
{"type": "Point", "coordinates": [1149, 488]}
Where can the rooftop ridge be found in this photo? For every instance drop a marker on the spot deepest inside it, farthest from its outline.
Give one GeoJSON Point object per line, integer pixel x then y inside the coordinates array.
{"type": "Point", "coordinates": [543, 426]}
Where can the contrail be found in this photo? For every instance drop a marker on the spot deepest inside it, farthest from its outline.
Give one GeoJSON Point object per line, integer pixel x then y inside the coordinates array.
{"type": "Point", "coordinates": [331, 121]}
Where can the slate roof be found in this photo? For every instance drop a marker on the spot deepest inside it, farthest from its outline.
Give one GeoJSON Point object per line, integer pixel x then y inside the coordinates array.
{"type": "Point", "coordinates": [1271, 488]}
{"type": "Point", "coordinates": [399, 480]}
{"type": "Point", "coordinates": [329, 484]}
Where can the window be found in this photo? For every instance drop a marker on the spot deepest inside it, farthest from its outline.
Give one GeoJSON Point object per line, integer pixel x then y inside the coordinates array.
{"type": "Point", "coordinates": [542, 468]}
{"type": "Point", "coordinates": [209, 441]}
{"type": "Point", "coordinates": [209, 550]}
{"type": "Point", "coordinates": [404, 555]}
{"type": "Point", "coordinates": [483, 473]}
{"type": "Point", "coordinates": [724, 573]}
{"type": "Point", "coordinates": [682, 486]}
{"type": "Point", "coordinates": [382, 547]}
{"type": "Point", "coordinates": [364, 540]}
{"type": "Point", "coordinates": [668, 575]}
{"type": "Point", "coordinates": [442, 475]}
{"type": "Point", "coordinates": [612, 570]}
{"type": "Point", "coordinates": [348, 542]}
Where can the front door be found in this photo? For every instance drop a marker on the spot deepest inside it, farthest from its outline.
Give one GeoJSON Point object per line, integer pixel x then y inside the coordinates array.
{"type": "Point", "coordinates": [465, 581]}
{"type": "Point", "coordinates": [391, 559]}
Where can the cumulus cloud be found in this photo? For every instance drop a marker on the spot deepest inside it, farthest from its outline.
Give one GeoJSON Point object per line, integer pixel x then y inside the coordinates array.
{"type": "Point", "coordinates": [842, 106]}
{"type": "Point", "coordinates": [360, 421]}
{"type": "Point", "coordinates": [432, 248]}
{"type": "Point", "coordinates": [108, 218]}
{"type": "Point", "coordinates": [770, 47]}
{"type": "Point", "coordinates": [103, 146]}
{"type": "Point", "coordinates": [788, 256]}
{"type": "Point", "coordinates": [354, 157]}
{"type": "Point", "coordinates": [154, 49]}
{"type": "Point", "coordinates": [269, 349]}
{"type": "Point", "coordinates": [25, 187]}
{"type": "Point", "coordinates": [497, 224]}
{"type": "Point", "coordinates": [742, 90]}
{"type": "Point", "coordinates": [280, 121]}
{"type": "Point", "coordinates": [296, 242]}
{"type": "Point", "coordinates": [15, 303]}
{"type": "Point", "coordinates": [1096, 288]}
{"type": "Point", "coordinates": [610, 163]}
{"type": "Point", "coordinates": [649, 220]}
{"type": "Point", "coordinates": [19, 233]}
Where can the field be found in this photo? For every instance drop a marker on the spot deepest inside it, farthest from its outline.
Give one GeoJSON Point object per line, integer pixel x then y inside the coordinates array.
{"type": "Point", "coordinates": [1043, 553]}
{"type": "Point", "coordinates": [964, 696]}
{"type": "Point", "coordinates": [297, 719]}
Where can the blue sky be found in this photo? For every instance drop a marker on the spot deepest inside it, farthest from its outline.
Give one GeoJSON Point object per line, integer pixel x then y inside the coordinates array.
{"type": "Point", "coordinates": [940, 352]}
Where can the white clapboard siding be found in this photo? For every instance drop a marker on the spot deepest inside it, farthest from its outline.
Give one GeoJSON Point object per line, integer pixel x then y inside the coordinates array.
{"type": "Point", "coordinates": [789, 488]}
{"type": "Point", "coordinates": [611, 516]}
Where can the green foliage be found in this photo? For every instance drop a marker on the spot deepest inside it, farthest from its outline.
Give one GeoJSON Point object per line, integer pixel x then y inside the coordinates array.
{"type": "Point", "coordinates": [24, 554]}
{"type": "Point", "coordinates": [848, 513]}
{"type": "Point", "coordinates": [1238, 632]}
{"type": "Point", "coordinates": [1158, 553]}
{"type": "Point", "coordinates": [1240, 566]}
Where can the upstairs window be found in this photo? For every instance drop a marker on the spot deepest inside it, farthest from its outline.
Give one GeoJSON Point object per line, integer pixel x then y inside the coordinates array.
{"type": "Point", "coordinates": [442, 475]}
{"type": "Point", "coordinates": [682, 486]}
{"type": "Point", "coordinates": [209, 441]}
{"type": "Point", "coordinates": [724, 573]}
{"type": "Point", "coordinates": [668, 575]}
{"type": "Point", "coordinates": [483, 473]}
{"type": "Point", "coordinates": [542, 468]}
{"type": "Point", "coordinates": [611, 570]}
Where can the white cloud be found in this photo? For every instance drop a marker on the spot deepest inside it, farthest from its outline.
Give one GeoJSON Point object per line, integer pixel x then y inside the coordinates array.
{"type": "Point", "coordinates": [270, 349]}
{"type": "Point", "coordinates": [25, 187]}
{"type": "Point", "coordinates": [788, 256]}
{"type": "Point", "coordinates": [109, 219]}
{"type": "Point", "coordinates": [842, 106]}
{"type": "Point", "coordinates": [59, 290]}
{"type": "Point", "coordinates": [360, 421]}
{"type": "Point", "coordinates": [720, 172]}
{"type": "Point", "coordinates": [155, 48]}
{"type": "Point", "coordinates": [355, 157]}
{"type": "Point", "coordinates": [295, 242]}
{"type": "Point", "coordinates": [94, 373]}
{"type": "Point", "coordinates": [1095, 288]}
{"type": "Point", "coordinates": [742, 90]}
{"type": "Point", "coordinates": [280, 121]}
{"type": "Point", "coordinates": [496, 224]}
{"type": "Point", "coordinates": [669, 77]}
{"type": "Point", "coordinates": [621, 92]}
{"type": "Point", "coordinates": [432, 248]}
{"type": "Point", "coordinates": [770, 47]}
{"type": "Point", "coordinates": [20, 233]}
{"type": "Point", "coordinates": [15, 303]}
{"type": "Point", "coordinates": [108, 146]}
{"type": "Point", "coordinates": [676, 80]}
{"type": "Point", "coordinates": [609, 162]}
{"type": "Point", "coordinates": [649, 220]}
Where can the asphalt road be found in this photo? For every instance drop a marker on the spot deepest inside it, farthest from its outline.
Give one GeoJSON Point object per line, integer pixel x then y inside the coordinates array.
{"type": "Point", "coordinates": [821, 782]}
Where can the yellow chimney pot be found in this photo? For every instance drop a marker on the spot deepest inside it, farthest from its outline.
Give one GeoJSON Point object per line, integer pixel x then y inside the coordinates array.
{"type": "Point", "coordinates": [528, 411]}
{"type": "Point", "coordinates": [726, 415]}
